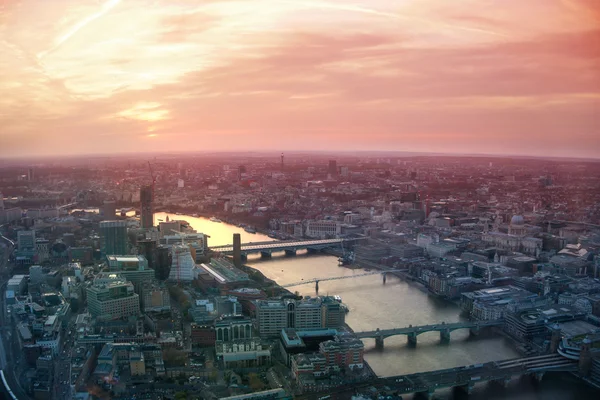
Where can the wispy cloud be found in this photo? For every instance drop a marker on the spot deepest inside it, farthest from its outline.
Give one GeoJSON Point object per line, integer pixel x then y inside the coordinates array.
{"type": "Point", "coordinates": [179, 75]}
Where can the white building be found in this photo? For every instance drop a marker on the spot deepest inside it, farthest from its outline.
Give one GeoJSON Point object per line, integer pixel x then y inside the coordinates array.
{"type": "Point", "coordinates": [323, 229]}
{"type": "Point", "coordinates": [183, 266]}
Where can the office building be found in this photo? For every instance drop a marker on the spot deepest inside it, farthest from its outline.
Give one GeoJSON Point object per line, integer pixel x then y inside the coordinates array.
{"type": "Point", "coordinates": [146, 212]}
{"type": "Point", "coordinates": [112, 297]}
{"type": "Point", "coordinates": [113, 237]}
{"type": "Point", "coordinates": [36, 275]}
{"type": "Point", "coordinates": [163, 263]}
{"type": "Point", "coordinates": [26, 240]}
{"type": "Point", "coordinates": [332, 170]}
{"type": "Point", "coordinates": [108, 209]}
{"type": "Point", "coordinates": [133, 268]}
{"type": "Point", "coordinates": [310, 313]}
{"type": "Point", "coordinates": [42, 248]}
{"type": "Point", "coordinates": [1, 201]}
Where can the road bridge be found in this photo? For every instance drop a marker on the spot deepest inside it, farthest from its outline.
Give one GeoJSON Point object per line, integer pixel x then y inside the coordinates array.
{"type": "Point", "coordinates": [413, 331]}
{"type": "Point", "coordinates": [465, 377]}
{"type": "Point", "coordinates": [289, 246]}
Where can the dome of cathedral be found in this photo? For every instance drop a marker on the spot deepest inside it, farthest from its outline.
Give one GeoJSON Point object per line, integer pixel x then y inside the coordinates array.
{"type": "Point", "coordinates": [517, 220]}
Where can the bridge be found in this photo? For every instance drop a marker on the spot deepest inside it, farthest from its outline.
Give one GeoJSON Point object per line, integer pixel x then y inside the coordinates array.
{"type": "Point", "coordinates": [290, 247]}
{"type": "Point", "coordinates": [465, 377]}
{"type": "Point", "coordinates": [413, 331]}
{"type": "Point", "coordinates": [337, 278]}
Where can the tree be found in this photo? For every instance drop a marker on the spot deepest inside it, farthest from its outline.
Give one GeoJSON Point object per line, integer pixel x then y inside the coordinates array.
{"type": "Point", "coordinates": [181, 396]}
{"type": "Point", "coordinates": [255, 383]}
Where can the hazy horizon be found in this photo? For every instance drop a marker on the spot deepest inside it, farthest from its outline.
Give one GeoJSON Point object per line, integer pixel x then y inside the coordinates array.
{"type": "Point", "coordinates": [470, 77]}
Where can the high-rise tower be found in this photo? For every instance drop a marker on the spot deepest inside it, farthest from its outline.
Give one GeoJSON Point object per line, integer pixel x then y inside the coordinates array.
{"type": "Point", "coordinates": [146, 212]}
{"type": "Point", "coordinates": [113, 238]}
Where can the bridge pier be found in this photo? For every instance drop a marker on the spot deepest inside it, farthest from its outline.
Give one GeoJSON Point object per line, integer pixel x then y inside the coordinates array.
{"type": "Point", "coordinates": [468, 388]}
{"type": "Point", "coordinates": [311, 250]}
{"type": "Point", "coordinates": [379, 341]}
{"type": "Point", "coordinates": [502, 383]}
{"type": "Point", "coordinates": [290, 253]}
{"type": "Point", "coordinates": [384, 277]}
{"type": "Point", "coordinates": [412, 338]}
{"type": "Point", "coordinates": [265, 254]}
{"type": "Point", "coordinates": [474, 331]}
{"type": "Point", "coordinates": [445, 336]}
{"type": "Point", "coordinates": [538, 376]}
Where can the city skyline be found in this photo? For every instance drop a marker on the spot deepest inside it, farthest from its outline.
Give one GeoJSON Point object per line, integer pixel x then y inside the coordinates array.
{"type": "Point", "coordinates": [473, 77]}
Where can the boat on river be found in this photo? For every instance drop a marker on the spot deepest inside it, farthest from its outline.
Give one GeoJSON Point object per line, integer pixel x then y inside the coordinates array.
{"type": "Point", "coordinates": [214, 219]}
{"type": "Point", "coordinates": [250, 229]}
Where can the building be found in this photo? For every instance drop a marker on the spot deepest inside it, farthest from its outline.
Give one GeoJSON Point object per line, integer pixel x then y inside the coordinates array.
{"type": "Point", "coordinates": [42, 249]}
{"type": "Point", "coordinates": [197, 241]}
{"type": "Point", "coordinates": [26, 240]}
{"type": "Point", "coordinates": [169, 227]}
{"type": "Point", "coordinates": [112, 297]}
{"type": "Point", "coordinates": [516, 239]}
{"type": "Point", "coordinates": [146, 212]}
{"type": "Point", "coordinates": [108, 209]}
{"type": "Point", "coordinates": [113, 237]}
{"type": "Point", "coordinates": [310, 313]}
{"type": "Point", "coordinates": [233, 328]}
{"type": "Point", "coordinates": [17, 284]}
{"type": "Point", "coordinates": [137, 364]}
{"type": "Point", "coordinates": [332, 169]}
{"type": "Point", "coordinates": [243, 353]}
{"type": "Point", "coordinates": [345, 352]}
{"type": "Point", "coordinates": [323, 229]}
{"type": "Point", "coordinates": [36, 275]}
{"type": "Point", "coordinates": [183, 266]}
{"type": "Point", "coordinates": [155, 298]}
{"type": "Point", "coordinates": [133, 268]}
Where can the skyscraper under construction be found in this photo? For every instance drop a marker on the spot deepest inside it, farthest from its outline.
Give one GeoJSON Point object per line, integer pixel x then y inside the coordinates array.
{"type": "Point", "coordinates": [146, 212]}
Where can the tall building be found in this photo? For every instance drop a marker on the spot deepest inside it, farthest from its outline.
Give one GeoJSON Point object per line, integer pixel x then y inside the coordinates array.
{"type": "Point", "coordinates": [146, 212]}
{"type": "Point", "coordinates": [163, 263]}
{"type": "Point", "coordinates": [1, 201]}
{"type": "Point", "coordinates": [109, 209]}
{"type": "Point", "coordinates": [112, 297]}
{"type": "Point", "coordinates": [183, 266]}
{"type": "Point", "coordinates": [26, 240]}
{"type": "Point", "coordinates": [113, 237]}
{"type": "Point", "coordinates": [332, 170]}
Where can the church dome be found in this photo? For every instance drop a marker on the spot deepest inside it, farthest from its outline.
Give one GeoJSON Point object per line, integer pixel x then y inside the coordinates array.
{"type": "Point", "coordinates": [517, 220]}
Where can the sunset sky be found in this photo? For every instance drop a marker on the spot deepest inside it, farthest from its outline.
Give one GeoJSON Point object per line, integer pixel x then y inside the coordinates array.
{"type": "Point", "coordinates": [456, 76]}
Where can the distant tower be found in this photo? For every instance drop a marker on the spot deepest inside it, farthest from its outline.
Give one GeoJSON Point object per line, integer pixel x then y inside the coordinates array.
{"type": "Point", "coordinates": [1, 201]}
{"type": "Point", "coordinates": [146, 212]}
{"type": "Point", "coordinates": [556, 337]}
{"type": "Point", "coordinates": [30, 174]}
{"type": "Point", "coordinates": [282, 162]}
{"type": "Point", "coordinates": [585, 357]}
{"type": "Point", "coordinates": [332, 167]}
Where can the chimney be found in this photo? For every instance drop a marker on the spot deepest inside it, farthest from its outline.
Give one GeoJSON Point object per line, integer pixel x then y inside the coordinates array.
{"type": "Point", "coordinates": [237, 250]}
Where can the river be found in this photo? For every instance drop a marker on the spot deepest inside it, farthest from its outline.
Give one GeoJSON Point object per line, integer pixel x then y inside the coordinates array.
{"type": "Point", "coordinates": [396, 303]}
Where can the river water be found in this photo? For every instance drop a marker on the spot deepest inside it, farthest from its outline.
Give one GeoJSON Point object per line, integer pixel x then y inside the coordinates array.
{"type": "Point", "coordinates": [396, 303]}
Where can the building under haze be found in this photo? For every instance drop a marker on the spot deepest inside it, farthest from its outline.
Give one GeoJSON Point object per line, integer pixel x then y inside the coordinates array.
{"type": "Point", "coordinates": [112, 297]}
{"type": "Point", "coordinates": [113, 237]}
{"type": "Point", "coordinates": [146, 212]}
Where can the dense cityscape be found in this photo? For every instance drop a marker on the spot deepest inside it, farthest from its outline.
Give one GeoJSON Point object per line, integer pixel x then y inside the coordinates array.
{"type": "Point", "coordinates": [299, 275]}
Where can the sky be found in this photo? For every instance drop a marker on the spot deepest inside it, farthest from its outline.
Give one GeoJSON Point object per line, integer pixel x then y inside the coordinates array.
{"type": "Point", "coordinates": [518, 77]}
